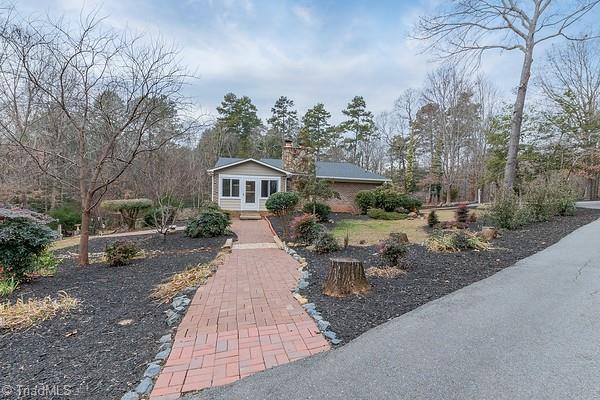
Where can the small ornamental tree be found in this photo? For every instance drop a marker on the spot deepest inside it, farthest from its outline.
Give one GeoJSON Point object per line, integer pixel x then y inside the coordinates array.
{"type": "Point", "coordinates": [128, 208]}
{"type": "Point", "coordinates": [432, 219]}
{"type": "Point", "coordinates": [163, 216]}
{"type": "Point", "coordinates": [462, 214]}
{"type": "Point", "coordinates": [283, 204]}
{"type": "Point", "coordinates": [313, 190]}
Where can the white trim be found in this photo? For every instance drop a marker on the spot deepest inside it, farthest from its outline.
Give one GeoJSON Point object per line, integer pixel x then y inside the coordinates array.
{"type": "Point", "coordinates": [242, 196]}
{"type": "Point", "coordinates": [246, 160]}
{"type": "Point", "coordinates": [269, 178]}
{"type": "Point", "coordinates": [337, 178]}
{"type": "Point", "coordinates": [243, 204]}
{"type": "Point", "coordinates": [221, 177]}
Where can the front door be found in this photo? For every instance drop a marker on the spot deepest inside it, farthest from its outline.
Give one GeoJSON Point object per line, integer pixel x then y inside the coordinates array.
{"type": "Point", "coordinates": [250, 198]}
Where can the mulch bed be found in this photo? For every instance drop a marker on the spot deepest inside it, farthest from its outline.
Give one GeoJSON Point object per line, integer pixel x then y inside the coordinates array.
{"type": "Point", "coordinates": [86, 352]}
{"type": "Point", "coordinates": [430, 275]}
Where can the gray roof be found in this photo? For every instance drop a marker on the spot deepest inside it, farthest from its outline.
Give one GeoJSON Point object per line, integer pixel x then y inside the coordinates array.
{"type": "Point", "coordinates": [325, 169]}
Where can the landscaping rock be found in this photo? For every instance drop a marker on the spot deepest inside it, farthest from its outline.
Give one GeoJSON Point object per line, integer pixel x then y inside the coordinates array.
{"type": "Point", "coordinates": [165, 339]}
{"type": "Point", "coordinates": [336, 341]}
{"type": "Point", "coordinates": [180, 302]}
{"type": "Point", "coordinates": [130, 396]}
{"type": "Point", "coordinates": [152, 370]}
{"type": "Point", "coordinates": [165, 346]}
{"type": "Point", "coordinates": [323, 325]}
{"type": "Point", "coordinates": [302, 284]}
{"type": "Point", "coordinates": [173, 319]}
{"type": "Point", "coordinates": [330, 335]}
{"type": "Point", "coordinates": [300, 298]}
{"type": "Point", "coordinates": [162, 355]}
{"type": "Point", "coordinates": [145, 386]}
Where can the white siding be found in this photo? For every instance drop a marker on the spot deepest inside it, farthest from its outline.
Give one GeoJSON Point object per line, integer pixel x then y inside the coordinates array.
{"type": "Point", "coordinates": [231, 204]}
{"type": "Point", "coordinates": [250, 168]}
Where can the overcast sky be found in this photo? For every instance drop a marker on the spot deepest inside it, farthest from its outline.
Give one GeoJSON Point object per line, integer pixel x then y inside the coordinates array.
{"type": "Point", "coordinates": [311, 51]}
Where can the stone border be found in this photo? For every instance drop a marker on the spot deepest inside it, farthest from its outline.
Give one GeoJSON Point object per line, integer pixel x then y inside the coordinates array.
{"type": "Point", "coordinates": [178, 308]}
{"type": "Point", "coordinates": [310, 308]}
{"type": "Point", "coordinates": [175, 314]}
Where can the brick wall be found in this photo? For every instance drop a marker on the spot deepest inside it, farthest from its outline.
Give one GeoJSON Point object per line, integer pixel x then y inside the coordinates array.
{"type": "Point", "coordinates": [215, 187]}
{"type": "Point", "coordinates": [347, 191]}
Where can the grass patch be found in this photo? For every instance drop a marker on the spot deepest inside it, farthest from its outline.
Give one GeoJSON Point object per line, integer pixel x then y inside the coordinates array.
{"type": "Point", "coordinates": [63, 243]}
{"type": "Point", "coordinates": [191, 277]}
{"type": "Point", "coordinates": [25, 314]}
{"type": "Point", "coordinates": [372, 231]}
{"type": "Point", "coordinates": [7, 286]}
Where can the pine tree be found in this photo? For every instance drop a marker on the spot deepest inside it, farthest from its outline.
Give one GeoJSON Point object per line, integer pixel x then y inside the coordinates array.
{"type": "Point", "coordinates": [284, 120]}
{"type": "Point", "coordinates": [316, 131]}
{"type": "Point", "coordinates": [359, 124]}
{"type": "Point", "coordinates": [237, 116]}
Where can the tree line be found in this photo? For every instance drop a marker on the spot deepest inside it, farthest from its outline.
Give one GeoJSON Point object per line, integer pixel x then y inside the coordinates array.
{"type": "Point", "coordinates": [88, 113]}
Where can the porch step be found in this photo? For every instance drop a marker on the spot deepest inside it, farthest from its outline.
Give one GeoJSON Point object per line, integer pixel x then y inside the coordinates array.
{"type": "Point", "coordinates": [250, 216]}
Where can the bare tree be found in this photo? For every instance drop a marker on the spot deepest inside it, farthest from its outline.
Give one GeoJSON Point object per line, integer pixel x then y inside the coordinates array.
{"type": "Point", "coordinates": [452, 92]}
{"type": "Point", "coordinates": [571, 81]}
{"type": "Point", "coordinates": [109, 89]}
{"type": "Point", "coordinates": [475, 26]}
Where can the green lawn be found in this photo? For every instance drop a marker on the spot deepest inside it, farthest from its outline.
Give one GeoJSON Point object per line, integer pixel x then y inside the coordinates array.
{"type": "Point", "coordinates": [374, 230]}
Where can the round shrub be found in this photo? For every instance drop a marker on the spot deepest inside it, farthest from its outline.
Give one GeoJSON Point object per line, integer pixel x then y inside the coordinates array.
{"type": "Point", "coordinates": [305, 228]}
{"type": "Point", "coordinates": [282, 203]}
{"type": "Point", "coordinates": [120, 252]}
{"type": "Point", "coordinates": [365, 199]}
{"type": "Point", "coordinates": [209, 205]}
{"type": "Point", "coordinates": [21, 243]}
{"type": "Point", "coordinates": [128, 208]}
{"type": "Point", "coordinates": [321, 210]}
{"type": "Point", "coordinates": [386, 198]}
{"type": "Point", "coordinates": [210, 223]}
{"type": "Point", "coordinates": [392, 250]}
{"type": "Point", "coordinates": [326, 243]}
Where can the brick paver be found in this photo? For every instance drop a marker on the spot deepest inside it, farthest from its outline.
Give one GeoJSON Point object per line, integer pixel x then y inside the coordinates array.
{"type": "Point", "coordinates": [242, 321]}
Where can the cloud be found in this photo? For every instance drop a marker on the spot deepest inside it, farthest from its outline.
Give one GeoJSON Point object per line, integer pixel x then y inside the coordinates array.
{"type": "Point", "coordinates": [305, 15]}
{"type": "Point", "coordinates": [309, 51]}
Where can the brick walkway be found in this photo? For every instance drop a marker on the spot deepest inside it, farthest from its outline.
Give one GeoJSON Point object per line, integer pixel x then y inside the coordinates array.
{"type": "Point", "coordinates": [242, 321]}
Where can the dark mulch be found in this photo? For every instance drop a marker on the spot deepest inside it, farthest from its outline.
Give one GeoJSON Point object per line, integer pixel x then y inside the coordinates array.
{"type": "Point", "coordinates": [86, 351]}
{"type": "Point", "coordinates": [429, 275]}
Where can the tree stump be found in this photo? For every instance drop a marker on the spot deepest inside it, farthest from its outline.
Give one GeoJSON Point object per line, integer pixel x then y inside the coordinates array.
{"type": "Point", "coordinates": [399, 236]}
{"type": "Point", "coordinates": [346, 276]}
{"type": "Point", "coordinates": [488, 233]}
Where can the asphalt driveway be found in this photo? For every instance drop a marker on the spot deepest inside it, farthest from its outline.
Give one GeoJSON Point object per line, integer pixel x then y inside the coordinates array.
{"type": "Point", "coordinates": [532, 331]}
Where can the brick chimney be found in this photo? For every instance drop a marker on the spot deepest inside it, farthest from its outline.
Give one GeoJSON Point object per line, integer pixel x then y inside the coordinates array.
{"type": "Point", "coordinates": [297, 159]}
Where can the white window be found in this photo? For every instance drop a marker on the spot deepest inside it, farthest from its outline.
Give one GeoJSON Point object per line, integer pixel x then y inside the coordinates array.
{"type": "Point", "coordinates": [230, 187]}
{"type": "Point", "coordinates": [268, 187]}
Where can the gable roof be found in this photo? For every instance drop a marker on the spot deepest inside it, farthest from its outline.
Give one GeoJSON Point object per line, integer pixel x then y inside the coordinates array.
{"type": "Point", "coordinates": [325, 169]}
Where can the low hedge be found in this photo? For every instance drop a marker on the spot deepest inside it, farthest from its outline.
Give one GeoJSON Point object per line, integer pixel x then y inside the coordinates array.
{"type": "Point", "coordinates": [378, 213]}
{"type": "Point", "coordinates": [386, 198]}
